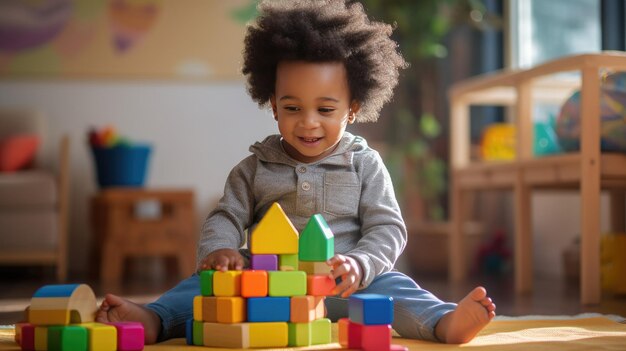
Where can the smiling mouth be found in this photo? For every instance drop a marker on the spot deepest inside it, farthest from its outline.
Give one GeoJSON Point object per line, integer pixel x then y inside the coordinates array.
{"type": "Point", "coordinates": [310, 140]}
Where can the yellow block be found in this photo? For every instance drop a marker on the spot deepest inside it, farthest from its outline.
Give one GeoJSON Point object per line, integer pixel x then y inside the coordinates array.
{"type": "Point", "coordinates": [227, 283]}
{"type": "Point", "coordinates": [231, 309]}
{"type": "Point", "coordinates": [313, 268]}
{"type": "Point", "coordinates": [226, 335]}
{"type": "Point", "coordinates": [49, 317]}
{"type": "Point", "coordinates": [41, 338]}
{"type": "Point", "coordinates": [197, 308]}
{"type": "Point", "coordinates": [275, 234]}
{"type": "Point", "coordinates": [271, 334]}
{"type": "Point", "coordinates": [101, 337]}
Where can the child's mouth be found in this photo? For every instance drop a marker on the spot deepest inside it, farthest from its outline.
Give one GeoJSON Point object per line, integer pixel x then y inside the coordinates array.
{"type": "Point", "coordinates": [310, 140]}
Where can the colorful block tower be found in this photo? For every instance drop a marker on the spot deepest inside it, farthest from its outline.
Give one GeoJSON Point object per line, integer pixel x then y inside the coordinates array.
{"type": "Point", "coordinates": [368, 326]}
{"type": "Point", "coordinates": [61, 317]}
{"type": "Point", "coordinates": [279, 302]}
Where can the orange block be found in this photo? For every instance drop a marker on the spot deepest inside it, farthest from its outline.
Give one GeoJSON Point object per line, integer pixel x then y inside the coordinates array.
{"type": "Point", "coordinates": [209, 309]}
{"type": "Point", "coordinates": [231, 309]}
{"type": "Point", "coordinates": [227, 283]}
{"type": "Point", "coordinates": [305, 309]}
{"type": "Point", "coordinates": [320, 285]}
{"type": "Point", "coordinates": [254, 284]}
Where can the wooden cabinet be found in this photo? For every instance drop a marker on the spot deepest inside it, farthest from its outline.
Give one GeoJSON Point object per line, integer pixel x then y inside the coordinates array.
{"type": "Point", "coordinates": [589, 171]}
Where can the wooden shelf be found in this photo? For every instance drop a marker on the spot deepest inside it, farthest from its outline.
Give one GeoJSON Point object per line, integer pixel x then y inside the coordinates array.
{"type": "Point", "coordinates": [589, 171]}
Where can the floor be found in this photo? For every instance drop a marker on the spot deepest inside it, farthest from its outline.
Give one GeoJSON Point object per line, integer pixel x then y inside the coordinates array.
{"type": "Point", "coordinates": [552, 295]}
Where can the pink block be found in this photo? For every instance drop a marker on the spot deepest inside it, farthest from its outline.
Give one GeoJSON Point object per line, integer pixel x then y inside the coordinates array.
{"type": "Point", "coordinates": [355, 330]}
{"type": "Point", "coordinates": [376, 337]}
{"type": "Point", "coordinates": [130, 336]}
{"type": "Point", "coordinates": [27, 337]}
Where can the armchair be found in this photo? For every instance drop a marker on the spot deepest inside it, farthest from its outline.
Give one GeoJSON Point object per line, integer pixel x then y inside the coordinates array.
{"type": "Point", "coordinates": [34, 201]}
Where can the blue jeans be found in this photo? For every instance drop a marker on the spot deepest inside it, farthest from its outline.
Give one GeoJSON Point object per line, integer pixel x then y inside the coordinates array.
{"type": "Point", "coordinates": [416, 311]}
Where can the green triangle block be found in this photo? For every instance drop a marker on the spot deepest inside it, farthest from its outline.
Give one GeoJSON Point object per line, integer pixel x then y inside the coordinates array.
{"type": "Point", "coordinates": [317, 242]}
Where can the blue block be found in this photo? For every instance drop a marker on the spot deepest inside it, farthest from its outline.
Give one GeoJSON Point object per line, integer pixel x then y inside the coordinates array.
{"type": "Point", "coordinates": [189, 331]}
{"type": "Point", "coordinates": [268, 309]}
{"type": "Point", "coordinates": [61, 290]}
{"type": "Point", "coordinates": [370, 309]}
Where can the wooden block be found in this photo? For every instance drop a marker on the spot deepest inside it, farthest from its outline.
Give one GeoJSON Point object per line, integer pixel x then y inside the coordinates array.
{"type": "Point", "coordinates": [299, 334]}
{"type": "Point", "coordinates": [77, 298]}
{"type": "Point", "coordinates": [305, 309]}
{"type": "Point", "coordinates": [235, 336]}
{"type": "Point", "coordinates": [41, 338]}
{"type": "Point", "coordinates": [312, 268]}
{"type": "Point", "coordinates": [197, 308]}
{"type": "Point", "coordinates": [320, 285]}
{"type": "Point", "coordinates": [67, 338]}
{"type": "Point", "coordinates": [370, 309]}
{"type": "Point", "coordinates": [264, 262]}
{"type": "Point", "coordinates": [49, 317]}
{"type": "Point", "coordinates": [317, 242]}
{"type": "Point", "coordinates": [342, 331]}
{"type": "Point", "coordinates": [254, 283]}
{"type": "Point", "coordinates": [275, 234]}
{"type": "Point", "coordinates": [18, 331]}
{"type": "Point", "coordinates": [320, 331]}
{"type": "Point", "coordinates": [349, 333]}
{"type": "Point", "coordinates": [198, 333]}
{"type": "Point", "coordinates": [189, 332]}
{"type": "Point", "coordinates": [227, 283]}
{"type": "Point", "coordinates": [209, 309]}
{"type": "Point", "coordinates": [130, 336]}
{"type": "Point", "coordinates": [283, 283]}
{"type": "Point", "coordinates": [231, 309]}
{"type": "Point", "coordinates": [206, 282]}
{"type": "Point", "coordinates": [376, 337]}
{"type": "Point", "coordinates": [101, 337]}
{"type": "Point", "coordinates": [288, 262]}
{"type": "Point", "coordinates": [271, 334]}
{"type": "Point", "coordinates": [27, 336]}
{"type": "Point", "coordinates": [268, 309]}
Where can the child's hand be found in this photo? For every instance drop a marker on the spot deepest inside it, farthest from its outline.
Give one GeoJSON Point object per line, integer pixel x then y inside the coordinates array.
{"type": "Point", "coordinates": [350, 272]}
{"type": "Point", "coordinates": [223, 260]}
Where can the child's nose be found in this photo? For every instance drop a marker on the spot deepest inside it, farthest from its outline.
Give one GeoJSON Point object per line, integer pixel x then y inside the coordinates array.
{"type": "Point", "coordinates": [310, 120]}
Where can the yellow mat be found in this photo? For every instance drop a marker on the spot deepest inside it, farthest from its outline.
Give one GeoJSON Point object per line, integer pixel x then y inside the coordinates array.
{"type": "Point", "coordinates": [572, 334]}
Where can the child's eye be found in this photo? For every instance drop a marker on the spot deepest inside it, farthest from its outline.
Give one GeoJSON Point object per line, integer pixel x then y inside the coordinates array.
{"type": "Point", "coordinates": [326, 110]}
{"type": "Point", "coordinates": [292, 108]}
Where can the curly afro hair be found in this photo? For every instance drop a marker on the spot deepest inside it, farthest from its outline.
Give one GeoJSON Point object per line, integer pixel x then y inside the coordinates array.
{"type": "Point", "coordinates": [323, 31]}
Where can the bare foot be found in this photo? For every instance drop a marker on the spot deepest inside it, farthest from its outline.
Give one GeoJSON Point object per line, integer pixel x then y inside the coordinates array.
{"type": "Point", "coordinates": [117, 309]}
{"type": "Point", "coordinates": [471, 315]}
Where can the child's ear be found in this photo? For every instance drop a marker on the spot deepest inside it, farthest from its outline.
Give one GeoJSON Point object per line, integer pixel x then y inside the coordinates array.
{"type": "Point", "coordinates": [355, 106]}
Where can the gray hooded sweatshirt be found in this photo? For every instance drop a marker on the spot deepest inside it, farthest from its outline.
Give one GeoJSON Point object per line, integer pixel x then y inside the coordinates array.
{"type": "Point", "coordinates": [351, 188]}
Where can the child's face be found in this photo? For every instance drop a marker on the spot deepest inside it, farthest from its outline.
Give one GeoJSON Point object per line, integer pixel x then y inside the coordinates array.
{"type": "Point", "coordinates": [312, 106]}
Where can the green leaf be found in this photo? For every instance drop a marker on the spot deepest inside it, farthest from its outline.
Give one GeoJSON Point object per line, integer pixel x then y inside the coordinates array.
{"type": "Point", "coordinates": [429, 126]}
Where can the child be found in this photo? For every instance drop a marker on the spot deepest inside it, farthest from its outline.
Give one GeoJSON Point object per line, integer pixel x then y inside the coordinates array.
{"type": "Point", "coordinates": [319, 65]}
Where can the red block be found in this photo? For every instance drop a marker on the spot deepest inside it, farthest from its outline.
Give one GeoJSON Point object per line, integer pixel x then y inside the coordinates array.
{"type": "Point", "coordinates": [349, 333]}
{"type": "Point", "coordinates": [26, 337]}
{"type": "Point", "coordinates": [320, 285]}
{"type": "Point", "coordinates": [376, 337]}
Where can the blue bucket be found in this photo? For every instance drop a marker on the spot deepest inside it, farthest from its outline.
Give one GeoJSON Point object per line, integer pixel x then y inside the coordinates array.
{"type": "Point", "coordinates": [124, 166]}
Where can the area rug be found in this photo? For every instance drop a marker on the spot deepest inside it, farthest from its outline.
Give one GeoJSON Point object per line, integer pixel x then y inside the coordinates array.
{"type": "Point", "coordinates": [597, 333]}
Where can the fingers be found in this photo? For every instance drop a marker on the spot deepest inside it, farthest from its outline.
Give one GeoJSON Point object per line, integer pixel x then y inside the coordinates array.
{"type": "Point", "coordinates": [223, 260]}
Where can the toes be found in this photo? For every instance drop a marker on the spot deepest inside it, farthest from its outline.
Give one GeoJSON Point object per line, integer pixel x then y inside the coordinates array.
{"type": "Point", "coordinates": [478, 293]}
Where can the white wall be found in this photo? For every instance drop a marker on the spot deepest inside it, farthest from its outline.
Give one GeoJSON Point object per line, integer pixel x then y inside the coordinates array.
{"type": "Point", "coordinates": [198, 131]}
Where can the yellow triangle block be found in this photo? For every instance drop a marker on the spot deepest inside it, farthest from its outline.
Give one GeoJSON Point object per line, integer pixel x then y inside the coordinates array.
{"type": "Point", "coordinates": [275, 234]}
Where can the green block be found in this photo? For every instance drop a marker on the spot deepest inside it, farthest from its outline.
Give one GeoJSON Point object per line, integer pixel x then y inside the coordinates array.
{"type": "Point", "coordinates": [198, 333]}
{"type": "Point", "coordinates": [299, 334]}
{"type": "Point", "coordinates": [317, 242]}
{"type": "Point", "coordinates": [287, 283]}
{"type": "Point", "coordinates": [320, 331]}
{"type": "Point", "coordinates": [67, 338]}
{"type": "Point", "coordinates": [206, 282]}
{"type": "Point", "coordinates": [288, 262]}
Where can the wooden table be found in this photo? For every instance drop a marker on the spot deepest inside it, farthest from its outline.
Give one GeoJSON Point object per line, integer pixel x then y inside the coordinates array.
{"type": "Point", "coordinates": [134, 222]}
